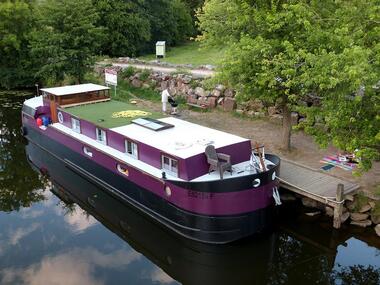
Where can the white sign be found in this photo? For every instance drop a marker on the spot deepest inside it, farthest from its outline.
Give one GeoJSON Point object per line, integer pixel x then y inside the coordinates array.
{"type": "Point", "coordinates": [111, 76]}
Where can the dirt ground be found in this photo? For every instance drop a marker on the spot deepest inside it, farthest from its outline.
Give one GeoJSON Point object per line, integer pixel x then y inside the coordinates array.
{"type": "Point", "coordinates": [304, 149]}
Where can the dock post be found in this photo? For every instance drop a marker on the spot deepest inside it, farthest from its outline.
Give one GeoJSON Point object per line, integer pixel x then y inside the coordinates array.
{"type": "Point", "coordinates": [338, 209]}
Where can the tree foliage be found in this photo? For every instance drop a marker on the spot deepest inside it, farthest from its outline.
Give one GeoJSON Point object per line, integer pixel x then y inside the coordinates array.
{"type": "Point", "coordinates": [284, 51]}
{"type": "Point", "coordinates": [66, 38]}
{"type": "Point", "coordinates": [127, 29]}
{"type": "Point", "coordinates": [16, 23]}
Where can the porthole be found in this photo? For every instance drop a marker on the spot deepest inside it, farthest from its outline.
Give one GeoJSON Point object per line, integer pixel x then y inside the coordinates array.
{"type": "Point", "coordinates": [122, 170]}
{"type": "Point", "coordinates": [60, 117]}
{"type": "Point", "coordinates": [168, 191]}
{"type": "Point", "coordinates": [274, 175]}
{"type": "Point", "coordinates": [256, 182]}
{"type": "Point", "coordinates": [87, 151]}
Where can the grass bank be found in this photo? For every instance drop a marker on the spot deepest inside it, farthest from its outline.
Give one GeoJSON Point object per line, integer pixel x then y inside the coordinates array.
{"type": "Point", "coordinates": [190, 53]}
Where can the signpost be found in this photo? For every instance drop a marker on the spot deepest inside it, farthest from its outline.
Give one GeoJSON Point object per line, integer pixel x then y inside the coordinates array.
{"type": "Point", "coordinates": [111, 77]}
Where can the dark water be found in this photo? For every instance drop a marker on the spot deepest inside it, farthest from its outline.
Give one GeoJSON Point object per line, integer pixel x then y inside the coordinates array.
{"type": "Point", "coordinates": [88, 237]}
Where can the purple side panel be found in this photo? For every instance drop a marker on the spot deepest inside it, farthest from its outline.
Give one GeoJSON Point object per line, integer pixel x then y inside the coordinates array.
{"type": "Point", "coordinates": [116, 140]}
{"type": "Point", "coordinates": [197, 165]}
{"type": "Point", "coordinates": [239, 152]}
{"type": "Point", "coordinates": [88, 129]}
{"type": "Point", "coordinates": [228, 203]}
{"type": "Point", "coordinates": [149, 155]}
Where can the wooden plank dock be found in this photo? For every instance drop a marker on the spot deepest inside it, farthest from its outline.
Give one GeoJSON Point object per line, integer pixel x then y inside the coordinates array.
{"type": "Point", "coordinates": [316, 185]}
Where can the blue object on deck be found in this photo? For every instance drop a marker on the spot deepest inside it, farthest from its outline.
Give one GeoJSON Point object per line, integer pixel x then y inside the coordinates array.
{"type": "Point", "coordinates": [45, 121]}
{"type": "Point", "coordinates": [327, 167]}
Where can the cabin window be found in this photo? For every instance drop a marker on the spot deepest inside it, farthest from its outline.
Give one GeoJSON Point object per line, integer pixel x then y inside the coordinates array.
{"type": "Point", "coordinates": [75, 125]}
{"type": "Point", "coordinates": [170, 165]}
{"type": "Point", "coordinates": [101, 136]}
{"type": "Point", "coordinates": [131, 149]}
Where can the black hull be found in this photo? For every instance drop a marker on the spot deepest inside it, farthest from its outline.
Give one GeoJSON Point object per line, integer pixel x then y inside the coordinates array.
{"type": "Point", "coordinates": [209, 229]}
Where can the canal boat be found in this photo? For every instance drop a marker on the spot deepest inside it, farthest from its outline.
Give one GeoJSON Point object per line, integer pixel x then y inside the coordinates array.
{"type": "Point", "coordinates": [202, 183]}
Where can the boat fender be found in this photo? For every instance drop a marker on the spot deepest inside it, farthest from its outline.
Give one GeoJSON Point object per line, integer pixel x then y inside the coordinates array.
{"type": "Point", "coordinates": [24, 131]}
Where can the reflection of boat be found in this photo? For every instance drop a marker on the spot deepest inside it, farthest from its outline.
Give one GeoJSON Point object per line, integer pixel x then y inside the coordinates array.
{"type": "Point", "coordinates": [164, 167]}
{"type": "Point", "coordinates": [187, 261]}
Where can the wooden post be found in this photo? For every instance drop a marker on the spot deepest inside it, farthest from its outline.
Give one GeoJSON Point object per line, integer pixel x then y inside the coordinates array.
{"type": "Point", "coordinates": [338, 209]}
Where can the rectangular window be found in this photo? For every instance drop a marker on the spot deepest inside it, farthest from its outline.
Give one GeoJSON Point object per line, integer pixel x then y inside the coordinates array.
{"type": "Point", "coordinates": [75, 125]}
{"type": "Point", "coordinates": [170, 165]}
{"type": "Point", "coordinates": [131, 149]}
{"type": "Point", "coordinates": [101, 136]}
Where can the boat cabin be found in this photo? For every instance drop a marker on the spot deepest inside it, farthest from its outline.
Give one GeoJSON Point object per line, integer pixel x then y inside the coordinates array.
{"type": "Point", "coordinates": [73, 95]}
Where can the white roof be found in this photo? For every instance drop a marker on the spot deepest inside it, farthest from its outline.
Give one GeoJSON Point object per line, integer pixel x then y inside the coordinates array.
{"type": "Point", "coordinates": [160, 43]}
{"type": "Point", "coordinates": [184, 140]}
{"type": "Point", "coordinates": [74, 89]}
{"type": "Point", "coordinates": [34, 102]}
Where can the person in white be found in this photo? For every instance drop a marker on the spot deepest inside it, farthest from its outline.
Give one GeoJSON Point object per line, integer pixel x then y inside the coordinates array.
{"type": "Point", "coordinates": [164, 99]}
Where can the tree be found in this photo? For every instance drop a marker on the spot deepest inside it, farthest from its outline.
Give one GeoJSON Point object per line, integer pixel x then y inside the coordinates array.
{"type": "Point", "coordinates": [66, 39]}
{"type": "Point", "coordinates": [283, 51]}
{"type": "Point", "coordinates": [16, 23]}
{"type": "Point", "coordinates": [127, 27]}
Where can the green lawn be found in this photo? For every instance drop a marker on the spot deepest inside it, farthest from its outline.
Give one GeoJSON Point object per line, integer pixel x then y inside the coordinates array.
{"type": "Point", "coordinates": [190, 53]}
{"type": "Point", "coordinates": [101, 113]}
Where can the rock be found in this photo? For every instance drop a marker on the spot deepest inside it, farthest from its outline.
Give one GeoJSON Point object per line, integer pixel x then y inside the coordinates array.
{"type": "Point", "coordinates": [365, 208]}
{"type": "Point", "coordinates": [259, 114]}
{"type": "Point", "coordinates": [377, 230]}
{"type": "Point", "coordinates": [307, 202]}
{"type": "Point", "coordinates": [192, 99]}
{"type": "Point", "coordinates": [363, 224]}
{"type": "Point", "coordinates": [212, 101]}
{"type": "Point", "coordinates": [375, 219]}
{"type": "Point", "coordinates": [220, 101]}
{"type": "Point", "coordinates": [229, 93]}
{"type": "Point", "coordinates": [220, 87]}
{"type": "Point", "coordinates": [329, 211]}
{"type": "Point", "coordinates": [187, 79]}
{"type": "Point", "coordinates": [200, 91]}
{"type": "Point", "coordinates": [372, 204]}
{"type": "Point", "coordinates": [288, 197]}
{"type": "Point", "coordinates": [344, 217]}
{"type": "Point", "coordinates": [312, 214]}
{"type": "Point", "coordinates": [145, 86]}
{"type": "Point", "coordinates": [216, 93]}
{"type": "Point", "coordinates": [239, 111]}
{"type": "Point", "coordinates": [164, 85]}
{"type": "Point", "coordinates": [294, 118]}
{"type": "Point", "coordinates": [272, 111]}
{"type": "Point", "coordinates": [136, 83]}
{"type": "Point", "coordinates": [349, 197]}
{"type": "Point", "coordinates": [358, 217]}
{"type": "Point", "coordinates": [229, 104]}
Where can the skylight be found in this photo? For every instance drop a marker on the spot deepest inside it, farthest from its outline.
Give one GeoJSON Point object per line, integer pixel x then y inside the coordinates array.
{"type": "Point", "coordinates": [152, 124]}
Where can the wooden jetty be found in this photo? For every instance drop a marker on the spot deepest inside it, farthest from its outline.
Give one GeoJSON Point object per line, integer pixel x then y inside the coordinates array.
{"type": "Point", "coordinates": [316, 185]}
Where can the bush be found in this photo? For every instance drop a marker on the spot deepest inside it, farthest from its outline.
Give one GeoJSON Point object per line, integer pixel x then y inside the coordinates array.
{"type": "Point", "coordinates": [128, 72]}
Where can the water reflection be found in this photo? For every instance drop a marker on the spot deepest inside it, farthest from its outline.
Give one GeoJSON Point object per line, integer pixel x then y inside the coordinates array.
{"type": "Point", "coordinates": [20, 186]}
{"type": "Point", "coordinates": [82, 235]}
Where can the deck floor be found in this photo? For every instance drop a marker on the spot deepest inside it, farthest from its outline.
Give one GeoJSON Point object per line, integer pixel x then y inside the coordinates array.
{"type": "Point", "coordinates": [312, 182]}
